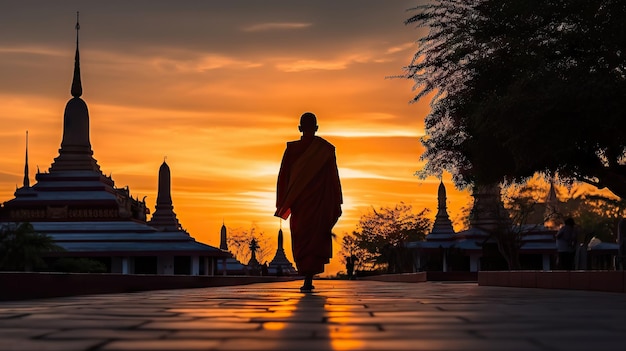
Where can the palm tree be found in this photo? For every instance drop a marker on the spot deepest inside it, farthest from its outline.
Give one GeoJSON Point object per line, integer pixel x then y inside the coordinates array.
{"type": "Point", "coordinates": [22, 248]}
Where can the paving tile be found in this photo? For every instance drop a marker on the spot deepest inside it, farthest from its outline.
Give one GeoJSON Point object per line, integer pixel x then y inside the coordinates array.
{"type": "Point", "coordinates": [355, 344]}
{"type": "Point", "coordinates": [47, 323]}
{"type": "Point", "coordinates": [203, 324]}
{"type": "Point", "coordinates": [20, 344]}
{"type": "Point", "coordinates": [161, 345]}
{"type": "Point", "coordinates": [339, 315]}
{"type": "Point", "coordinates": [276, 332]}
{"type": "Point", "coordinates": [25, 332]}
{"type": "Point", "coordinates": [104, 334]}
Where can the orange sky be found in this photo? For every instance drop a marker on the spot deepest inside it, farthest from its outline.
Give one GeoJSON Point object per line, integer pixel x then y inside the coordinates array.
{"type": "Point", "coordinates": [218, 88]}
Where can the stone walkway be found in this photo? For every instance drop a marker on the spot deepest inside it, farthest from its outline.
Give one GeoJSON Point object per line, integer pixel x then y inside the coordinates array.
{"type": "Point", "coordinates": [339, 315]}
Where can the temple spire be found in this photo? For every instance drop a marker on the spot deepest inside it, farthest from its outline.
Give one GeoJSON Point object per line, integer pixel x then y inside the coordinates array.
{"type": "Point", "coordinates": [75, 153]}
{"type": "Point", "coordinates": [441, 200]}
{"type": "Point", "coordinates": [77, 87]}
{"type": "Point", "coordinates": [280, 239]}
{"type": "Point", "coordinates": [442, 227]}
{"type": "Point", "coordinates": [164, 217]}
{"type": "Point", "coordinates": [26, 177]}
{"type": "Point", "coordinates": [223, 238]}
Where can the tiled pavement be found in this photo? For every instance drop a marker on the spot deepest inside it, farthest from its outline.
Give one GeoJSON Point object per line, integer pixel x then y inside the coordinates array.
{"type": "Point", "coordinates": [339, 315]}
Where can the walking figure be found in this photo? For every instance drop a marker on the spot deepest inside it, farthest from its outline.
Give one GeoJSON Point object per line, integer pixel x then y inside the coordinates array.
{"type": "Point", "coordinates": [308, 189]}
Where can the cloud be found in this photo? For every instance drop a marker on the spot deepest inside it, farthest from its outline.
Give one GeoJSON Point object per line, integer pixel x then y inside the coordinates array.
{"type": "Point", "coordinates": [399, 48]}
{"type": "Point", "coordinates": [201, 64]}
{"type": "Point", "coordinates": [347, 173]}
{"type": "Point", "coordinates": [335, 64]}
{"type": "Point", "coordinates": [373, 133]}
{"type": "Point", "coordinates": [32, 50]}
{"type": "Point", "coordinates": [262, 27]}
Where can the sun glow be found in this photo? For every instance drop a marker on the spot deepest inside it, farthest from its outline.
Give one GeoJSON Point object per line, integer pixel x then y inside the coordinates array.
{"type": "Point", "coordinates": [219, 93]}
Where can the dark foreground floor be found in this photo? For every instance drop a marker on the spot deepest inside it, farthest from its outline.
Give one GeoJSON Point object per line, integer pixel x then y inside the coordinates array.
{"type": "Point", "coordinates": [339, 315]}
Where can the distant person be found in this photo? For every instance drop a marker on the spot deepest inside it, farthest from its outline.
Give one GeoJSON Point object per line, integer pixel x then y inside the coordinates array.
{"type": "Point", "coordinates": [581, 247]}
{"type": "Point", "coordinates": [350, 262]}
{"type": "Point", "coordinates": [621, 244]}
{"type": "Point", "coordinates": [308, 189]}
{"type": "Point", "coordinates": [565, 245]}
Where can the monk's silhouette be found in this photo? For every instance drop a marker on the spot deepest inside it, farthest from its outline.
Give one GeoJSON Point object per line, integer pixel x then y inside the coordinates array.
{"type": "Point", "coordinates": [309, 189]}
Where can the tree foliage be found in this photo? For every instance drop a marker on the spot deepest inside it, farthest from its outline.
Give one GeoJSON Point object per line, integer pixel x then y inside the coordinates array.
{"type": "Point", "coordinates": [350, 248]}
{"type": "Point", "coordinates": [595, 214]}
{"type": "Point", "coordinates": [519, 87]}
{"type": "Point", "coordinates": [22, 248]}
{"type": "Point", "coordinates": [380, 237]}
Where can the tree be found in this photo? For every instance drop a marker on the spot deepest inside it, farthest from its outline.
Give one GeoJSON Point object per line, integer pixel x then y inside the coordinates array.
{"type": "Point", "coordinates": [239, 240]}
{"type": "Point", "coordinates": [350, 248]}
{"type": "Point", "coordinates": [22, 248]}
{"type": "Point", "coordinates": [596, 215]}
{"type": "Point", "coordinates": [519, 87]}
{"type": "Point", "coordinates": [380, 237]}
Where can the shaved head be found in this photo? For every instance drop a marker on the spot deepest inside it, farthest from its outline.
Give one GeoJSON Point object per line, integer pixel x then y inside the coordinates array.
{"type": "Point", "coordinates": [308, 122]}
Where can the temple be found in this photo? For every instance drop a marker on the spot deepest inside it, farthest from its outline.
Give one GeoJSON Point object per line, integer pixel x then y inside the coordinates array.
{"type": "Point", "coordinates": [89, 217]}
{"type": "Point", "coordinates": [280, 264]}
{"type": "Point", "coordinates": [476, 248]}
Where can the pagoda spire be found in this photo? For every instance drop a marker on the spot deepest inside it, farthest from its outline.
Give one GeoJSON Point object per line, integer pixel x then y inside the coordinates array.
{"type": "Point", "coordinates": [77, 87]}
{"type": "Point", "coordinates": [280, 240]}
{"type": "Point", "coordinates": [223, 238]}
{"type": "Point", "coordinates": [442, 208]}
{"type": "Point", "coordinates": [26, 172]}
{"type": "Point", "coordinates": [164, 217]}
{"type": "Point", "coordinates": [164, 196]}
{"type": "Point", "coordinates": [442, 228]}
{"type": "Point", "coordinates": [75, 153]}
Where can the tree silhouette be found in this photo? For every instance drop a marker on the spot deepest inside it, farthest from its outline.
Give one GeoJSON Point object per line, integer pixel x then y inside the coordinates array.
{"type": "Point", "coordinates": [519, 87]}
{"type": "Point", "coordinates": [22, 248]}
{"type": "Point", "coordinates": [381, 235]}
{"type": "Point", "coordinates": [239, 240]}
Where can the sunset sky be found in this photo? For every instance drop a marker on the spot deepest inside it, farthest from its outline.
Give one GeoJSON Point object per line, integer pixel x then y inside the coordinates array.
{"type": "Point", "coordinates": [217, 87]}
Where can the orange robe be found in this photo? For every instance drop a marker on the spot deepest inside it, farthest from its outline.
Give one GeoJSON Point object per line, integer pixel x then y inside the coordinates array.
{"type": "Point", "coordinates": [309, 189]}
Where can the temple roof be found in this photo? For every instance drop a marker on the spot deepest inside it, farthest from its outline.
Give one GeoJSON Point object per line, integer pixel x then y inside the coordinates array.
{"type": "Point", "coordinates": [129, 237]}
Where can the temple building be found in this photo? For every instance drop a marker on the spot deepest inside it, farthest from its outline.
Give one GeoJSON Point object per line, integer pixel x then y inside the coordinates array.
{"type": "Point", "coordinates": [476, 249]}
{"type": "Point", "coordinates": [280, 264]}
{"type": "Point", "coordinates": [89, 217]}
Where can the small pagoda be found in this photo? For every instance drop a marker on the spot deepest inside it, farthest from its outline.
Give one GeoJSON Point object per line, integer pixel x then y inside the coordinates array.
{"type": "Point", "coordinates": [280, 264]}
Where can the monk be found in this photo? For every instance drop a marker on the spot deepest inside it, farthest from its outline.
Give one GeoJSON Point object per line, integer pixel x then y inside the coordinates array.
{"type": "Point", "coordinates": [308, 189]}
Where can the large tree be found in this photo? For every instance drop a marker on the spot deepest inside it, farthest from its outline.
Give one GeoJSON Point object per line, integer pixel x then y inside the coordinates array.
{"type": "Point", "coordinates": [519, 87]}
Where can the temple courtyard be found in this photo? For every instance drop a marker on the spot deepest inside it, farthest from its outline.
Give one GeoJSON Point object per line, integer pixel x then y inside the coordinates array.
{"type": "Point", "coordinates": [338, 315]}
